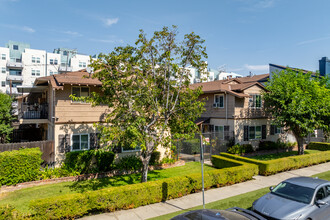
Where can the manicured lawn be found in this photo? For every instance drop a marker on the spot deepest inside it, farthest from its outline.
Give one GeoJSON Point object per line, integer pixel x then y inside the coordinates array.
{"type": "Point", "coordinates": [20, 199]}
{"type": "Point", "coordinates": [281, 155]}
{"type": "Point", "coordinates": [243, 201]}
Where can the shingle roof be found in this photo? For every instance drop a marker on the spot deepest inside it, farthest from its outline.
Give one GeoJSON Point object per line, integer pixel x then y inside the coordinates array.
{"type": "Point", "coordinates": [235, 89]}
{"type": "Point", "coordinates": [73, 78]}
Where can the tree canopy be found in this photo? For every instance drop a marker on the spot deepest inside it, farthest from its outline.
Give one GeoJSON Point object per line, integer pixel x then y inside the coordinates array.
{"type": "Point", "coordinates": [299, 102]}
{"type": "Point", "coordinates": [5, 117]}
{"type": "Point", "coordinates": [147, 89]}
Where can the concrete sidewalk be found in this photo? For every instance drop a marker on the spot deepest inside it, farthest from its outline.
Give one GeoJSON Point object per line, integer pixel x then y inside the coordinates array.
{"type": "Point", "coordinates": [192, 200]}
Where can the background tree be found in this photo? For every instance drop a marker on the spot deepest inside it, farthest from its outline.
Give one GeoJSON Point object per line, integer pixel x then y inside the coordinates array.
{"type": "Point", "coordinates": [298, 102]}
{"type": "Point", "coordinates": [5, 117]}
{"type": "Point", "coordinates": [147, 88]}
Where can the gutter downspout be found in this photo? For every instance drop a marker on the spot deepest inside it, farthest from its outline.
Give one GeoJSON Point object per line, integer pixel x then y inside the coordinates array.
{"type": "Point", "coordinates": [226, 108]}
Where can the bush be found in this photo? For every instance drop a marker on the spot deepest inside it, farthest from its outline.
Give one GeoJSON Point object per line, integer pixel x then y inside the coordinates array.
{"type": "Point", "coordinates": [240, 149]}
{"type": "Point", "coordinates": [191, 146]}
{"type": "Point", "coordinates": [57, 172]}
{"type": "Point", "coordinates": [318, 146]}
{"type": "Point", "coordinates": [20, 166]}
{"type": "Point", "coordinates": [283, 164]}
{"type": "Point", "coordinates": [6, 212]}
{"type": "Point", "coordinates": [135, 195]}
{"type": "Point", "coordinates": [270, 145]}
{"type": "Point", "coordinates": [129, 163]}
{"type": "Point", "coordinates": [155, 157]}
{"type": "Point", "coordinates": [89, 161]}
{"type": "Point", "coordinates": [267, 145]}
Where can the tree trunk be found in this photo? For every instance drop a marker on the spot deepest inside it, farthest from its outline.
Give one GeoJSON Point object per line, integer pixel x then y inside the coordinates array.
{"type": "Point", "coordinates": [145, 168]}
{"type": "Point", "coordinates": [145, 162]}
{"type": "Point", "coordinates": [300, 141]}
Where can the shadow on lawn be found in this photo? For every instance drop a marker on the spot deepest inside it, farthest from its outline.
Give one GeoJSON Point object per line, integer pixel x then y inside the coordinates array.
{"type": "Point", "coordinates": [96, 184]}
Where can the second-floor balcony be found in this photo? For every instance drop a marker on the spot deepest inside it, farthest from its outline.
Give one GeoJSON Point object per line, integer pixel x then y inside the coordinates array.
{"type": "Point", "coordinates": [18, 78]}
{"type": "Point", "coordinates": [15, 64]}
{"type": "Point", "coordinates": [34, 111]}
{"type": "Point", "coordinates": [64, 68]}
{"type": "Point", "coordinates": [250, 113]}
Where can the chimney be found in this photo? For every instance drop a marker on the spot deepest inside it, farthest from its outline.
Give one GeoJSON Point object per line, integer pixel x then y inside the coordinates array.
{"type": "Point", "coordinates": [324, 66]}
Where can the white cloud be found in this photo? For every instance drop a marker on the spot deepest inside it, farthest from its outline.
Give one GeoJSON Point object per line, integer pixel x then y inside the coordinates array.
{"type": "Point", "coordinates": [110, 21]}
{"type": "Point", "coordinates": [111, 40]}
{"type": "Point", "coordinates": [256, 5]}
{"type": "Point", "coordinates": [313, 40]}
{"type": "Point", "coordinates": [256, 67]}
{"type": "Point", "coordinates": [20, 28]}
{"type": "Point", "coordinates": [28, 29]}
{"type": "Point", "coordinates": [72, 33]}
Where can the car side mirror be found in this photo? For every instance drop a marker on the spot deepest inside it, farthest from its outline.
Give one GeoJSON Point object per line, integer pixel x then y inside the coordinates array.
{"type": "Point", "coordinates": [321, 202]}
{"type": "Point", "coordinates": [271, 188]}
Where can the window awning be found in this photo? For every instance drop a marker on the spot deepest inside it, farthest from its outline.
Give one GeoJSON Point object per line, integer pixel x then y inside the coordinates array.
{"type": "Point", "coordinates": [29, 89]}
{"type": "Point", "coordinates": [202, 120]}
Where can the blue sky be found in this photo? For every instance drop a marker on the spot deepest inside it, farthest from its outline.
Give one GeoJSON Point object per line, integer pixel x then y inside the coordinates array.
{"type": "Point", "coordinates": [240, 35]}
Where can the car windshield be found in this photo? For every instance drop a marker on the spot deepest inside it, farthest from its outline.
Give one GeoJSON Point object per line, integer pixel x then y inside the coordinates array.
{"type": "Point", "coordinates": [294, 192]}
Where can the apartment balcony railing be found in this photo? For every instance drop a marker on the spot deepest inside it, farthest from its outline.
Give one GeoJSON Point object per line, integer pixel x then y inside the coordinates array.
{"type": "Point", "coordinates": [34, 111]}
{"type": "Point", "coordinates": [65, 69]}
{"type": "Point", "coordinates": [14, 78]}
{"type": "Point", "coordinates": [250, 113]}
{"type": "Point", "coordinates": [16, 65]}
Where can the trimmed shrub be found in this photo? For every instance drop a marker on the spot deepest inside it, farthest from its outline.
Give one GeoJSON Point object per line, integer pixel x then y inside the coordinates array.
{"type": "Point", "coordinates": [240, 149]}
{"type": "Point", "coordinates": [283, 164]}
{"type": "Point", "coordinates": [129, 163]}
{"type": "Point", "coordinates": [89, 161]}
{"type": "Point", "coordinates": [318, 146]}
{"type": "Point", "coordinates": [20, 166]}
{"type": "Point", "coordinates": [135, 195]}
{"type": "Point", "coordinates": [155, 158]}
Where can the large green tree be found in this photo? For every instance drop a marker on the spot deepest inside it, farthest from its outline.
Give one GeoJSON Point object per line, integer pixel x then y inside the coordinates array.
{"type": "Point", "coordinates": [146, 86]}
{"type": "Point", "coordinates": [298, 102]}
{"type": "Point", "coordinates": [5, 117]}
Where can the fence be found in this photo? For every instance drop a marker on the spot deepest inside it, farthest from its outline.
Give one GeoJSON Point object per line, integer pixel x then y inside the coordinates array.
{"type": "Point", "coordinates": [189, 149]}
{"type": "Point", "coordinates": [46, 147]}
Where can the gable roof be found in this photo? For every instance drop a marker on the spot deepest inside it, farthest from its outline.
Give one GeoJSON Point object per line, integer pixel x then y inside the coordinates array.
{"type": "Point", "coordinates": [81, 78]}
{"type": "Point", "coordinates": [233, 89]}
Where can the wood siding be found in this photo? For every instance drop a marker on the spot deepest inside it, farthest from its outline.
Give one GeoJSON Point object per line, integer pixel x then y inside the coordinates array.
{"type": "Point", "coordinates": [68, 111]}
{"type": "Point", "coordinates": [210, 111]}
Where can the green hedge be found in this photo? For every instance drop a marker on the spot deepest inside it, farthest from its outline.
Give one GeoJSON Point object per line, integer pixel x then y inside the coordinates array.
{"type": "Point", "coordinates": [289, 163]}
{"type": "Point", "coordinates": [318, 146]}
{"type": "Point", "coordinates": [132, 196]}
{"type": "Point", "coordinates": [20, 166]}
{"type": "Point", "coordinates": [89, 161]}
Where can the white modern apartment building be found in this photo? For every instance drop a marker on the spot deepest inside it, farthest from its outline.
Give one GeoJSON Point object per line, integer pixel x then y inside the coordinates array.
{"type": "Point", "coordinates": [20, 65]}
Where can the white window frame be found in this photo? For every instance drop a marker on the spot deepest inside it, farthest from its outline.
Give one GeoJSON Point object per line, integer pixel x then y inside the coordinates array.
{"type": "Point", "coordinates": [253, 101]}
{"type": "Point", "coordinates": [82, 64]}
{"type": "Point", "coordinates": [89, 93]}
{"type": "Point", "coordinates": [255, 132]}
{"type": "Point", "coordinates": [223, 131]}
{"type": "Point", "coordinates": [133, 150]}
{"type": "Point", "coordinates": [217, 105]}
{"type": "Point", "coordinates": [3, 83]}
{"type": "Point", "coordinates": [3, 70]}
{"type": "Point", "coordinates": [35, 72]}
{"type": "Point", "coordinates": [3, 56]}
{"type": "Point", "coordinates": [88, 137]}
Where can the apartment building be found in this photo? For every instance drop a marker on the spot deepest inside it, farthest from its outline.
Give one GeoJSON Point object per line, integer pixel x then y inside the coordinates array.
{"type": "Point", "coordinates": [234, 108]}
{"type": "Point", "coordinates": [20, 65]}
